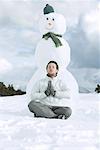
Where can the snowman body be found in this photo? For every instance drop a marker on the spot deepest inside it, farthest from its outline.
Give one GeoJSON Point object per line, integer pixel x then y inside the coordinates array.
{"type": "Point", "coordinates": [47, 51]}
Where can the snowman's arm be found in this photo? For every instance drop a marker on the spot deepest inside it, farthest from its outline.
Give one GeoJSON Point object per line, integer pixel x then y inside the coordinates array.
{"type": "Point", "coordinates": [36, 94]}
{"type": "Point", "coordinates": [64, 92]}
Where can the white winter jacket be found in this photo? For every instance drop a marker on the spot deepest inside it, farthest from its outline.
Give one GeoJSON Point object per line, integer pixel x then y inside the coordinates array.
{"type": "Point", "coordinates": [62, 97]}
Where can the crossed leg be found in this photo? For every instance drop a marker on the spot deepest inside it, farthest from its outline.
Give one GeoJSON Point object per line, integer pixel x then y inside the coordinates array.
{"type": "Point", "coordinates": [41, 110]}
{"type": "Point", "coordinates": [62, 111]}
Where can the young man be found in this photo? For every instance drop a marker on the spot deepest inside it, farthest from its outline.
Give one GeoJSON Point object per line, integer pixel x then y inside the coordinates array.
{"type": "Point", "coordinates": [50, 97]}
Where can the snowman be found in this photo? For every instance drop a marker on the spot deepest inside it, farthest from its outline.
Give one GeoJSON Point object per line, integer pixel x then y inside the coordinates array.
{"type": "Point", "coordinates": [52, 46]}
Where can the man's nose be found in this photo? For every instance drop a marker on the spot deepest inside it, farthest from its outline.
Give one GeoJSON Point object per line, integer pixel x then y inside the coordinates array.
{"type": "Point", "coordinates": [51, 69]}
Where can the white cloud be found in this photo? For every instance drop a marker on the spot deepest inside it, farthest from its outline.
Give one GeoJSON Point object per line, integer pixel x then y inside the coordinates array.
{"type": "Point", "coordinates": [19, 12]}
{"type": "Point", "coordinates": [30, 37]}
{"type": "Point", "coordinates": [8, 42]}
{"type": "Point", "coordinates": [14, 42]}
{"type": "Point", "coordinates": [5, 66]}
{"type": "Point", "coordinates": [91, 25]}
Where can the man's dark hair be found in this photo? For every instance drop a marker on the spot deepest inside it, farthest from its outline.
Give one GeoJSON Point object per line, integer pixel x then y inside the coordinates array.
{"type": "Point", "coordinates": [54, 62]}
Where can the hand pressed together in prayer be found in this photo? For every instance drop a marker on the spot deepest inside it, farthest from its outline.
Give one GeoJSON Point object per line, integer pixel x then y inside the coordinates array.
{"type": "Point", "coordinates": [50, 90]}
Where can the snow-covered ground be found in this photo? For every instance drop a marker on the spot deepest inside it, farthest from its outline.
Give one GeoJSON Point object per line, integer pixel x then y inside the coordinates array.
{"type": "Point", "coordinates": [19, 130]}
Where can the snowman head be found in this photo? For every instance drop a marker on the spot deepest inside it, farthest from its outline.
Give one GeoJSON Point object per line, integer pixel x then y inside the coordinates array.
{"type": "Point", "coordinates": [52, 22]}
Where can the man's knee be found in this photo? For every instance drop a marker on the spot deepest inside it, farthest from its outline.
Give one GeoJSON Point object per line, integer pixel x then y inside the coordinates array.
{"type": "Point", "coordinates": [68, 111]}
{"type": "Point", "coordinates": [31, 105]}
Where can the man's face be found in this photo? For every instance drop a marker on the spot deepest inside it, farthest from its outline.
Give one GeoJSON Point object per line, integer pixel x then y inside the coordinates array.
{"type": "Point", "coordinates": [52, 70]}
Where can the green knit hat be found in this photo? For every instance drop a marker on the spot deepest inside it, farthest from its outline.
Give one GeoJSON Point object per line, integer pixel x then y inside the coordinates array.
{"type": "Point", "coordinates": [48, 9]}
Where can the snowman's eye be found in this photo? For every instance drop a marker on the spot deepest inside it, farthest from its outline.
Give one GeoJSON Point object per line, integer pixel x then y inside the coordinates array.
{"type": "Point", "coordinates": [47, 18]}
{"type": "Point", "coordinates": [53, 19]}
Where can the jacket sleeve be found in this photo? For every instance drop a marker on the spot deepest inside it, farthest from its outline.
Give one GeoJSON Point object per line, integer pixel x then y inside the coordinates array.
{"type": "Point", "coordinates": [36, 95]}
{"type": "Point", "coordinates": [64, 92]}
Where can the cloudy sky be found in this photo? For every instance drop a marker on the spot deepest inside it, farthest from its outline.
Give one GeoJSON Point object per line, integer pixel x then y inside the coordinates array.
{"type": "Point", "coordinates": [19, 33]}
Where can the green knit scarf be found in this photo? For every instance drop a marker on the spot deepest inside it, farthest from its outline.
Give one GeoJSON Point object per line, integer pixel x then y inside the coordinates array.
{"type": "Point", "coordinates": [54, 38]}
